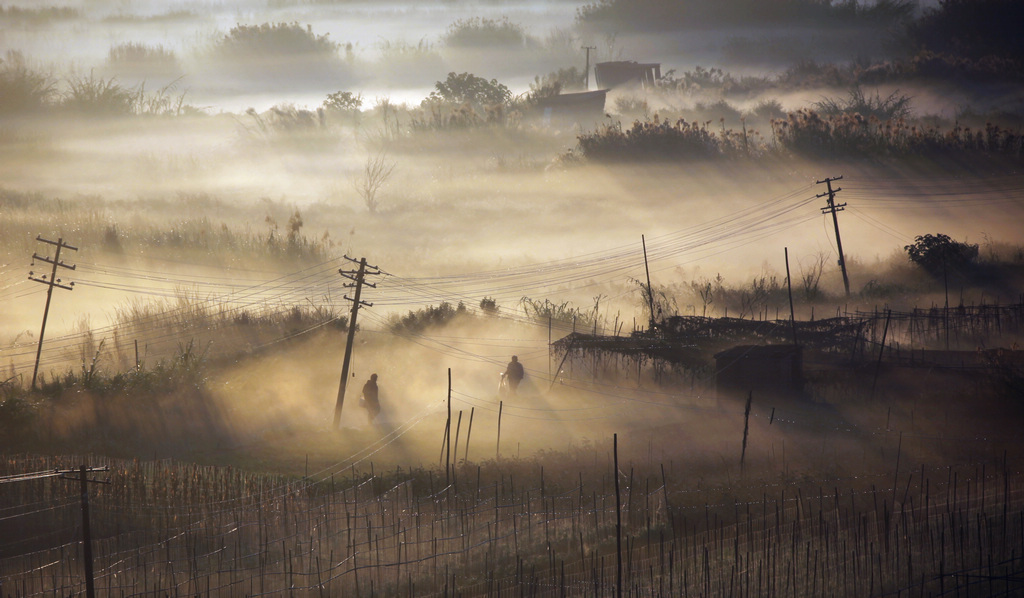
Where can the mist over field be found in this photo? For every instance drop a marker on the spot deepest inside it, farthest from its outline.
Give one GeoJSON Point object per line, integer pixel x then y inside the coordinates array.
{"type": "Point", "coordinates": [213, 173]}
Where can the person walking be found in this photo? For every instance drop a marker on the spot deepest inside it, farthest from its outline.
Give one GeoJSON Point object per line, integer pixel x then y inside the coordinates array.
{"type": "Point", "coordinates": [370, 400]}
{"type": "Point", "coordinates": [514, 374]}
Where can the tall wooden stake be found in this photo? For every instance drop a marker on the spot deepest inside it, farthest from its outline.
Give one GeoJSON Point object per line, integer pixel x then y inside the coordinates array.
{"type": "Point", "coordinates": [469, 430]}
{"type": "Point", "coordinates": [881, 352]}
{"type": "Point", "coordinates": [497, 448]}
{"type": "Point", "coordinates": [618, 519]}
{"type": "Point", "coordinates": [90, 588]}
{"type": "Point", "coordinates": [448, 433]}
{"type": "Point", "coordinates": [746, 427]}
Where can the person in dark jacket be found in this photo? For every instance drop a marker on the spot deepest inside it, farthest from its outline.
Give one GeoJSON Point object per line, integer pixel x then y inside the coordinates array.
{"type": "Point", "coordinates": [514, 374]}
{"type": "Point", "coordinates": [370, 401]}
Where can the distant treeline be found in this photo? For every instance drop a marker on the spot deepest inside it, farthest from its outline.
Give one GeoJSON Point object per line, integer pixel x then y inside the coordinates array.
{"type": "Point", "coordinates": [672, 14]}
{"type": "Point", "coordinates": [974, 29]}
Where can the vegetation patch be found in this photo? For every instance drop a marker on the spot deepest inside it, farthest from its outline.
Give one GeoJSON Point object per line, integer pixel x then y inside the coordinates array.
{"type": "Point", "coordinates": [478, 32]}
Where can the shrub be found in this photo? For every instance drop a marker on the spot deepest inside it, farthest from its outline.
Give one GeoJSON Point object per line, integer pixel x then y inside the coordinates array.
{"type": "Point", "coordinates": [806, 132]}
{"type": "Point", "coordinates": [97, 96]}
{"type": "Point", "coordinates": [766, 110]}
{"type": "Point", "coordinates": [40, 14]}
{"type": "Point", "coordinates": [469, 89]}
{"type": "Point", "coordinates": [136, 55]}
{"type": "Point", "coordinates": [478, 32]}
{"type": "Point", "coordinates": [463, 100]}
{"type": "Point", "coordinates": [657, 140]}
{"type": "Point", "coordinates": [417, 321]}
{"type": "Point", "coordinates": [21, 89]}
{"type": "Point", "coordinates": [343, 102]}
{"type": "Point", "coordinates": [275, 39]}
{"type": "Point", "coordinates": [939, 254]}
{"type": "Point", "coordinates": [555, 82]}
{"type": "Point", "coordinates": [720, 110]}
{"type": "Point", "coordinates": [401, 50]}
{"type": "Point", "coordinates": [546, 310]}
{"type": "Point", "coordinates": [894, 107]}
{"type": "Point", "coordinates": [489, 306]}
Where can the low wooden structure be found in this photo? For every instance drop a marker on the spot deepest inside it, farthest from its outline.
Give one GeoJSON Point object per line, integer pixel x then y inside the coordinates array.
{"type": "Point", "coordinates": [573, 107]}
{"type": "Point", "coordinates": [610, 75]}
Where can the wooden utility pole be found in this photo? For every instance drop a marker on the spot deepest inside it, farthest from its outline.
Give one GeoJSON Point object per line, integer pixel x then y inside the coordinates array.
{"type": "Point", "coordinates": [833, 208]}
{"type": "Point", "coordinates": [586, 71]}
{"type": "Point", "coordinates": [53, 281]}
{"type": "Point", "coordinates": [650, 292]}
{"type": "Point", "coordinates": [358, 281]}
{"type": "Point", "coordinates": [789, 286]}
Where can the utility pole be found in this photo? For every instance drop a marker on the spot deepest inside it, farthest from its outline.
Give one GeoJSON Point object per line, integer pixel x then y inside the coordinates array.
{"type": "Point", "coordinates": [358, 282]}
{"type": "Point", "coordinates": [650, 292]}
{"type": "Point", "coordinates": [833, 207]}
{"type": "Point", "coordinates": [586, 72]}
{"type": "Point", "coordinates": [53, 281]}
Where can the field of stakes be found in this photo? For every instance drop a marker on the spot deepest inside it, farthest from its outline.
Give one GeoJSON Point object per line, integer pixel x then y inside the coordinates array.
{"type": "Point", "coordinates": [512, 528]}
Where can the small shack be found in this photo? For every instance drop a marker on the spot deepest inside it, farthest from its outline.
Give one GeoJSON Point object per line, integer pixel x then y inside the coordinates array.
{"type": "Point", "coordinates": [610, 75]}
{"type": "Point", "coordinates": [582, 106]}
{"type": "Point", "coordinates": [772, 370]}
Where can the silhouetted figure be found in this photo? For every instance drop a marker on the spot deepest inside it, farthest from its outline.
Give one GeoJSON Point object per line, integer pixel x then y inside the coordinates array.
{"type": "Point", "coordinates": [370, 401]}
{"type": "Point", "coordinates": [514, 374]}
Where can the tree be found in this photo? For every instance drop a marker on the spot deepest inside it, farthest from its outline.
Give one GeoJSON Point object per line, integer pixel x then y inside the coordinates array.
{"type": "Point", "coordinates": [343, 101]}
{"type": "Point", "coordinates": [467, 88]}
{"type": "Point", "coordinates": [939, 254]}
{"type": "Point", "coordinates": [376, 172]}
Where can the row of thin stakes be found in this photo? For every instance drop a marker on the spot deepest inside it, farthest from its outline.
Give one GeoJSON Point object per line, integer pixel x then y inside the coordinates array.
{"type": "Point", "coordinates": [164, 529]}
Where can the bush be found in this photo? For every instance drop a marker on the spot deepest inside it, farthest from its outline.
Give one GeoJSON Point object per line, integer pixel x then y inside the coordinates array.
{"type": "Point", "coordinates": [136, 55]}
{"type": "Point", "coordinates": [344, 104]}
{"type": "Point", "coordinates": [555, 82]}
{"type": "Point", "coordinates": [477, 32]}
{"type": "Point", "coordinates": [893, 107]}
{"type": "Point", "coordinates": [939, 254]}
{"type": "Point", "coordinates": [275, 39]}
{"type": "Point", "coordinates": [97, 96]}
{"type": "Point", "coordinates": [21, 89]}
{"type": "Point", "coordinates": [658, 140]}
{"type": "Point", "coordinates": [469, 89]}
{"type": "Point", "coordinates": [852, 135]}
{"type": "Point", "coordinates": [416, 322]}
{"type": "Point", "coordinates": [40, 14]}
{"type": "Point", "coordinates": [489, 306]}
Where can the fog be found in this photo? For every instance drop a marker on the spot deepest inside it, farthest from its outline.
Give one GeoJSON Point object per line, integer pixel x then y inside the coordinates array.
{"type": "Point", "coordinates": [232, 147]}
